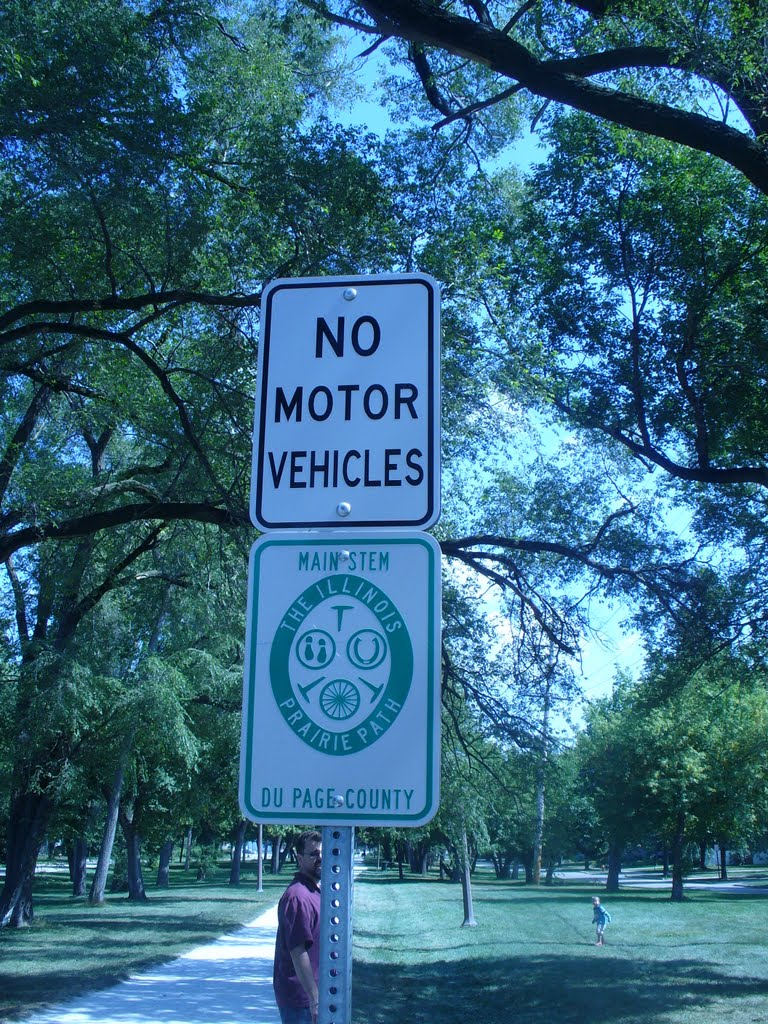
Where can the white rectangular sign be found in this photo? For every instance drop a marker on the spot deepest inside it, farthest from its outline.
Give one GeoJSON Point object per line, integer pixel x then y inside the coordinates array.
{"type": "Point", "coordinates": [347, 424]}
{"type": "Point", "coordinates": [341, 708]}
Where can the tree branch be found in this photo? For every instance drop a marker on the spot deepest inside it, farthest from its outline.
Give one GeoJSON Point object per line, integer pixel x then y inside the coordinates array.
{"type": "Point", "coordinates": [120, 338]}
{"type": "Point", "coordinates": [80, 608]}
{"type": "Point", "coordinates": [19, 603]}
{"type": "Point", "coordinates": [420, 21]}
{"type": "Point", "coordinates": [21, 435]}
{"type": "Point", "coordinates": [473, 108]}
{"type": "Point", "coordinates": [664, 583]}
{"type": "Point", "coordinates": [79, 526]}
{"type": "Point", "coordinates": [648, 452]}
{"type": "Point", "coordinates": [433, 93]}
{"type": "Point", "coordinates": [68, 307]}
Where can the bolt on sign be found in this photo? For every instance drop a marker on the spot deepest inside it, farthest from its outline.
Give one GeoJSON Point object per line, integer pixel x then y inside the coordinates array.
{"type": "Point", "coordinates": [347, 422]}
{"type": "Point", "coordinates": [341, 687]}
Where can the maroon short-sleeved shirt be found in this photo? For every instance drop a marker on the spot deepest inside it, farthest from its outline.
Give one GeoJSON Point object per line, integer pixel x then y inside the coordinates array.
{"type": "Point", "coordinates": [298, 924]}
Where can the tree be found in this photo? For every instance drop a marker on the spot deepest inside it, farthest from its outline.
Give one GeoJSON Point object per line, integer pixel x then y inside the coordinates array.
{"type": "Point", "coordinates": [511, 814]}
{"type": "Point", "coordinates": [462, 815]}
{"type": "Point", "coordinates": [611, 758]}
{"type": "Point", "coordinates": [640, 65]}
{"type": "Point", "coordinates": [140, 205]}
{"type": "Point", "coordinates": [736, 813]}
{"type": "Point", "coordinates": [626, 288]}
{"type": "Point", "coordinates": [571, 823]}
{"type": "Point", "coordinates": [729, 806]}
{"type": "Point", "coordinates": [648, 327]}
{"type": "Point", "coordinates": [129, 185]}
{"type": "Point", "coordinates": [680, 756]}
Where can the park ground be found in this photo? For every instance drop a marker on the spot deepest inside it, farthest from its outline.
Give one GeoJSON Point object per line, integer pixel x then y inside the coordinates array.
{"type": "Point", "coordinates": [531, 958]}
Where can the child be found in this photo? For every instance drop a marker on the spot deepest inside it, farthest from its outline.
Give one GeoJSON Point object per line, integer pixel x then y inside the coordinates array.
{"type": "Point", "coordinates": [600, 918]}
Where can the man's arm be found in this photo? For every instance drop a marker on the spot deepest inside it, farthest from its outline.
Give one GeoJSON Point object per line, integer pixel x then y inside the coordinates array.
{"type": "Point", "coordinates": [304, 973]}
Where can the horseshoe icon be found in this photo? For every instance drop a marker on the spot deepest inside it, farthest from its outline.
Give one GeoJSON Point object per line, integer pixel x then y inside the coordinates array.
{"type": "Point", "coordinates": [366, 649]}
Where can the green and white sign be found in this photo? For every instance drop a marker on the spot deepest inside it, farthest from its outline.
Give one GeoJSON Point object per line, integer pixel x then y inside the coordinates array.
{"type": "Point", "coordinates": [341, 689]}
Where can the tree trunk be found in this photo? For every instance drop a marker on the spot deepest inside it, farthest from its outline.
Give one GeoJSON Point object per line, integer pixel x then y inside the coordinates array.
{"type": "Point", "coordinates": [502, 865]}
{"type": "Point", "coordinates": [702, 856]}
{"type": "Point", "coordinates": [418, 855]}
{"type": "Point", "coordinates": [527, 861]}
{"type": "Point", "coordinates": [550, 871]}
{"type": "Point", "coordinates": [237, 852]}
{"type": "Point", "coordinates": [723, 861]}
{"type": "Point", "coordinates": [99, 881]}
{"type": "Point", "coordinates": [28, 820]}
{"type": "Point", "coordinates": [164, 865]}
{"type": "Point", "coordinates": [78, 865]}
{"type": "Point", "coordinates": [283, 851]}
{"type": "Point", "coordinates": [466, 884]}
{"type": "Point", "coordinates": [677, 857]}
{"type": "Point", "coordinates": [614, 866]}
{"type": "Point", "coordinates": [136, 891]}
{"type": "Point", "coordinates": [188, 857]}
{"type": "Point", "coordinates": [541, 775]}
{"type": "Point", "coordinates": [539, 833]}
{"type": "Point", "coordinates": [276, 861]}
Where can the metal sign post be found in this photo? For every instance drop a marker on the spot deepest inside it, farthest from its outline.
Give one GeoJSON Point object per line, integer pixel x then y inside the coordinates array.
{"type": "Point", "coordinates": [335, 976]}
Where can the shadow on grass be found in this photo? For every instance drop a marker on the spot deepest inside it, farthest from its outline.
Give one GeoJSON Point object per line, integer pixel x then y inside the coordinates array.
{"type": "Point", "coordinates": [117, 926]}
{"type": "Point", "coordinates": [27, 993]}
{"type": "Point", "coordinates": [540, 989]}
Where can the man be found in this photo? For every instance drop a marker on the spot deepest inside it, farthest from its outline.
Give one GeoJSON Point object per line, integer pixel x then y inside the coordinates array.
{"type": "Point", "coordinates": [297, 947]}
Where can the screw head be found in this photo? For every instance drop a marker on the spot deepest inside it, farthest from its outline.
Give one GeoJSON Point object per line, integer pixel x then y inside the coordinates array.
{"type": "Point", "coordinates": [350, 294]}
{"type": "Point", "coordinates": [343, 509]}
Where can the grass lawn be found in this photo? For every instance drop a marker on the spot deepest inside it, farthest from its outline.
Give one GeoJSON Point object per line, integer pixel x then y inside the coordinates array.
{"type": "Point", "coordinates": [73, 948]}
{"type": "Point", "coordinates": [531, 959]}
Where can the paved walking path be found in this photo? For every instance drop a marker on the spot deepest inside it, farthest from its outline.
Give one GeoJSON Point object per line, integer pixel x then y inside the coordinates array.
{"type": "Point", "coordinates": [635, 878]}
{"type": "Point", "coordinates": [229, 980]}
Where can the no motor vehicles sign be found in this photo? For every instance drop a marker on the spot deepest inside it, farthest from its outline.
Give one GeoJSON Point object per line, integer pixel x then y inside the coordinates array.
{"type": "Point", "coordinates": [341, 689]}
{"type": "Point", "coordinates": [347, 425]}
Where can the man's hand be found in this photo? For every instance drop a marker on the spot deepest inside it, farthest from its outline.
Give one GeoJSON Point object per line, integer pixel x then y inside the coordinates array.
{"type": "Point", "coordinates": [303, 968]}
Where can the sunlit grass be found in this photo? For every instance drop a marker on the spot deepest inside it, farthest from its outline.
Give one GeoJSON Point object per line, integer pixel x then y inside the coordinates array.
{"type": "Point", "coordinates": [532, 957]}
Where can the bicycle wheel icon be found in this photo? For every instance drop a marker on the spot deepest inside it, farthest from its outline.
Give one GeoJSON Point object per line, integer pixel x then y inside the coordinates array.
{"type": "Point", "coordinates": [339, 699]}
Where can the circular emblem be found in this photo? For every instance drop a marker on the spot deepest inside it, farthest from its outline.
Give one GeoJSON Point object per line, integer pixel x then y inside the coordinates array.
{"type": "Point", "coordinates": [341, 664]}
